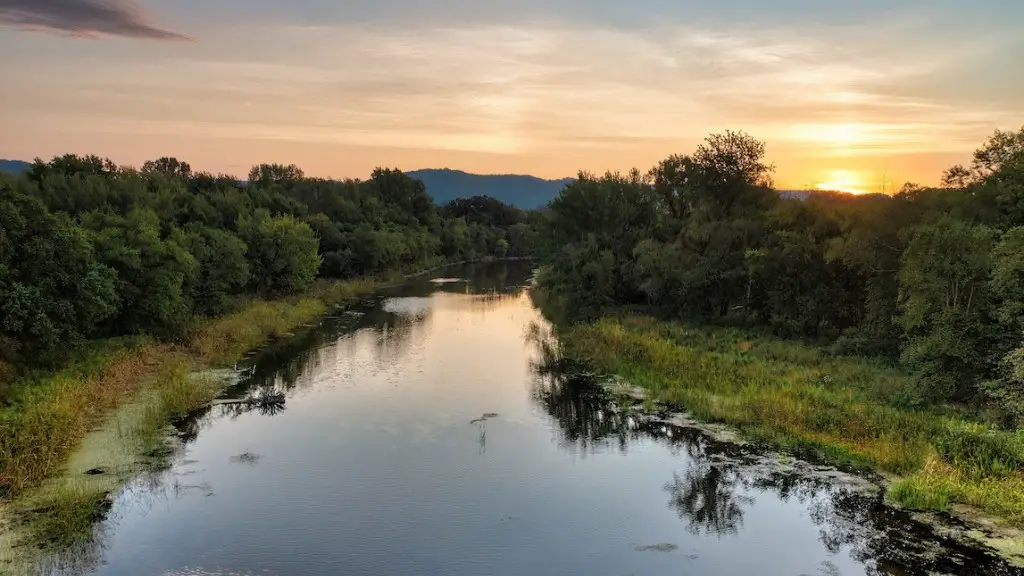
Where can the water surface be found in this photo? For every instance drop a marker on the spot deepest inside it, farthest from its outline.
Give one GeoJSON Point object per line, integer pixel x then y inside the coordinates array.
{"type": "Point", "coordinates": [422, 434]}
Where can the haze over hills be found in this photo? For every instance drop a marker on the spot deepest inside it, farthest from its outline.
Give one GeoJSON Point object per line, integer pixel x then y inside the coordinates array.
{"type": "Point", "coordinates": [13, 165]}
{"type": "Point", "coordinates": [445, 185]}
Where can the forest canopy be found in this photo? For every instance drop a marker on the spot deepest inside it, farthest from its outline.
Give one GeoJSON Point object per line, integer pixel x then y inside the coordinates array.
{"type": "Point", "coordinates": [90, 249]}
{"type": "Point", "coordinates": [931, 278]}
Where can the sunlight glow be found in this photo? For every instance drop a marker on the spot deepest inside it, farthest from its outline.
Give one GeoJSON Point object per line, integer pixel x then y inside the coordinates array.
{"type": "Point", "coordinates": [843, 181]}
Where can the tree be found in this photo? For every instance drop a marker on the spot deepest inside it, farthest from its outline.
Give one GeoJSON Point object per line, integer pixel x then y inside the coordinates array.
{"type": "Point", "coordinates": [944, 301]}
{"type": "Point", "coordinates": [155, 275]}
{"type": "Point", "coordinates": [267, 174]}
{"type": "Point", "coordinates": [53, 291]}
{"type": "Point", "coordinates": [1001, 148]}
{"type": "Point", "coordinates": [223, 268]}
{"type": "Point", "coordinates": [168, 168]}
{"type": "Point", "coordinates": [283, 253]}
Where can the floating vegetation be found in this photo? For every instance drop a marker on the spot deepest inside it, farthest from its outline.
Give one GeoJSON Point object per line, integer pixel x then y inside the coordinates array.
{"type": "Point", "coordinates": [660, 547]}
{"type": "Point", "coordinates": [268, 402]}
{"type": "Point", "coordinates": [248, 458]}
{"type": "Point", "coordinates": [487, 416]}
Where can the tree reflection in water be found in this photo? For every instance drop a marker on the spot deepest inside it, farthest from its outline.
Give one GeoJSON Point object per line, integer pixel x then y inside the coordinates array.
{"type": "Point", "coordinates": [707, 497]}
{"type": "Point", "coordinates": [722, 481]}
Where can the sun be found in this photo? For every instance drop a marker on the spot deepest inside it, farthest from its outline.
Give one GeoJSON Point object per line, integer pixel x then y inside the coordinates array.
{"type": "Point", "coordinates": [843, 181]}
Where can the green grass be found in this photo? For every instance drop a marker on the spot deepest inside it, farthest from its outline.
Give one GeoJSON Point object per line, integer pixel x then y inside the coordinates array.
{"type": "Point", "coordinates": [51, 415]}
{"type": "Point", "coordinates": [112, 405]}
{"type": "Point", "coordinates": [222, 341]}
{"type": "Point", "coordinates": [850, 411]}
{"type": "Point", "coordinates": [60, 510]}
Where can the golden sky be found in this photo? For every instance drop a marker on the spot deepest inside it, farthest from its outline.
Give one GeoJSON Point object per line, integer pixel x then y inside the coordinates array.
{"type": "Point", "coordinates": [857, 96]}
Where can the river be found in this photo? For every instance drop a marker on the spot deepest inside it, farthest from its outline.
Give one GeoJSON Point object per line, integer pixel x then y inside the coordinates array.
{"type": "Point", "coordinates": [422, 434]}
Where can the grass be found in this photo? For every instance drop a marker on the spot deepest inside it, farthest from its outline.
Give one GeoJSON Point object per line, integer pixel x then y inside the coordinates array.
{"type": "Point", "coordinates": [222, 341]}
{"type": "Point", "coordinates": [59, 510]}
{"type": "Point", "coordinates": [48, 418]}
{"type": "Point", "coordinates": [849, 411]}
{"type": "Point", "coordinates": [110, 409]}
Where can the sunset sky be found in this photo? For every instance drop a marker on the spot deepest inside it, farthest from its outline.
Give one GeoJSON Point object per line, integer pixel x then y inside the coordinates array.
{"type": "Point", "coordinates": [846, 94]}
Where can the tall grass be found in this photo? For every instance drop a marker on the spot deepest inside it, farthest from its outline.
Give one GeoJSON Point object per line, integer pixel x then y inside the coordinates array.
{"type": "Point", "coordinates": [851, 411]}
{"type": "Point", "coordinates": [222, 341]}
{"type": "Point", "coordinates": [149, 385]}
{"type": "Point", "coordinates": [64, 508]}
{"type": "Point", "coordinates": [49, 417]}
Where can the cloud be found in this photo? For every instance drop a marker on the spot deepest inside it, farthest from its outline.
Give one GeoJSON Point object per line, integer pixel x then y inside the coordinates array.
{"type": "Point", "coordinates": [548, 96]}
{"type": "Point", "coordinates": [83, 18]}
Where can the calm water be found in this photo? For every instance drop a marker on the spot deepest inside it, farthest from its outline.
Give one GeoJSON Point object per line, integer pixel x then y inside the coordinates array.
{"type": "Point", "coordinates": [380, 463]}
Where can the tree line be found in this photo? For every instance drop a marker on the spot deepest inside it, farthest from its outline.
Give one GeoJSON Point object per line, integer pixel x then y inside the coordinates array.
{"type": "Point", "coordinates": [929, 277]}
{"type": "Point", "coordinates": [90, 249]}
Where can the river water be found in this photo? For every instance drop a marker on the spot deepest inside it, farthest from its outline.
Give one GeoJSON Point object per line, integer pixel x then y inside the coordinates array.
{"type": "Point", "coordinates": [422, 433]}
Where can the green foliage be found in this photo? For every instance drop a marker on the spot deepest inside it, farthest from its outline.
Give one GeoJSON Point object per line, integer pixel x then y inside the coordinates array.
{"type": "Point", "coordinates": [943, 305]}
{"type": "Point", "coordinates": [154, 273]}
{"type": "Point", "coordinates": [223, 268]}
{"type": "Point", "coordinates": [284, 254]}
{"type": "Point", "coordinates": [931, 277]}
{"type": "Point", "coordinates": [981, 452]}
{"type": "Point", "coordinates": [54, 290]}
{"type": "Point", "coordinates": [89, 249]}
{"type": "Point", "coordinates": [845, 410]}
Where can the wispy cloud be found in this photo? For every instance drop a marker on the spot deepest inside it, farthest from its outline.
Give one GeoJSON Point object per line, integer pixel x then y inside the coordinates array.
{"type": "Point", "coordinates": [83, 18]}
{"type": "Point", "coordinates": [546, 96]}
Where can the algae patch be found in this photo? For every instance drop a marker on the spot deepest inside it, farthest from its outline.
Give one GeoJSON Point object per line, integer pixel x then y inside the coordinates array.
{"type": "Point", "coordinates": [663, 547]}
{"type": "Point", "coordinates": [62, 513]}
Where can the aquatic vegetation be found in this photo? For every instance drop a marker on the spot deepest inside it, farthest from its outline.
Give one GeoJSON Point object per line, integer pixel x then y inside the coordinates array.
{"type": "Point", "coordinates": [128, 395]}
{"type": "Point", "coordinates": [844, 410]}
{"type": "Point", "coordinates": [46, 421]}
{"type": "Point", "coordinates": [661, 547]}
{"type": "Point", "coordinates": [247, 457]}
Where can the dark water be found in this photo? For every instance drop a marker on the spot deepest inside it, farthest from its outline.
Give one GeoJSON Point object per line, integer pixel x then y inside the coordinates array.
{"type": "Point", "coordinates": [378, 463]}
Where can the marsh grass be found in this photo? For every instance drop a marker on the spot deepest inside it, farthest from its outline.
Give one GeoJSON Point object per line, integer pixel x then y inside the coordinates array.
{"type": "Point", "coordinates": [39, 430]}
{"type": "Point", "coordinates": [853, 412]}
{"type": "Point", "coordinates": [221, 341]}
{"type": "Point", "coordinates": [69, 515]}
{"type": "Point", "coordinates": [110, 408]}
{"type": "Point", "coordinates": [62, 510]}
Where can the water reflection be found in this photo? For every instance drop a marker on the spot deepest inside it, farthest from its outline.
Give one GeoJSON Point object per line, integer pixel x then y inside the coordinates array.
{"type": "Point", "coordinates": [707, 498]}
{"type": "Point", "coordinates": [720, 481]}
{"type": "Point", "coordinates": [387, 454]}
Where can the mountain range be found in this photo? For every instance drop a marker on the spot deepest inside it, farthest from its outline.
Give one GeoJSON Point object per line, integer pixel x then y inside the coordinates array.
{"type": "Point", "coordinates": [528, 192]}
{"type": "Point", "coordinates": [15, 166]}
{"type": "Point", "coordinates": [444, 185]}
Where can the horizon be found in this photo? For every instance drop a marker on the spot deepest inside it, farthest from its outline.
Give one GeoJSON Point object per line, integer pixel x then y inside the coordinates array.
{"type": "Point", "coordinates": [448, 169]}
{"type": "Point", "coordinates": [855, 97]}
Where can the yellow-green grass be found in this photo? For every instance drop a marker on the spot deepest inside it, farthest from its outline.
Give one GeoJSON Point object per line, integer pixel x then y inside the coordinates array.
{"type": "Point", "coordinates": [222, 341]}
{"type": "Point", "coordinates": [109, 409]}
{"type": "Point", "coordinates": [846, 410]}
{"type": "Point", "coordinates": [49, 417]}
{"type": "Point", "coordinates": [60, 510]}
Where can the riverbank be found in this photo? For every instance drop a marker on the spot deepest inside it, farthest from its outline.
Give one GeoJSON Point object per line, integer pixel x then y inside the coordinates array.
{"type": "Point", "coordinates": [71, 438]}
{"type": "Point", "coordinates": [852, 412]}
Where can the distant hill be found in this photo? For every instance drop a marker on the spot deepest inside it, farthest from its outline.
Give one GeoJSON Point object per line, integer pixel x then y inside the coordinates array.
{"type": "Point", "coordinates": [15, 166]}
{"type": "Point", "coordinates": [796, 194]}
{"type": "Point", "coordinates": [527, 192]}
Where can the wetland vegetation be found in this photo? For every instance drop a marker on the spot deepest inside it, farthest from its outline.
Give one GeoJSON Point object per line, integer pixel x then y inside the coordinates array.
{"type": "Point", "coordinates": [879, 331]}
